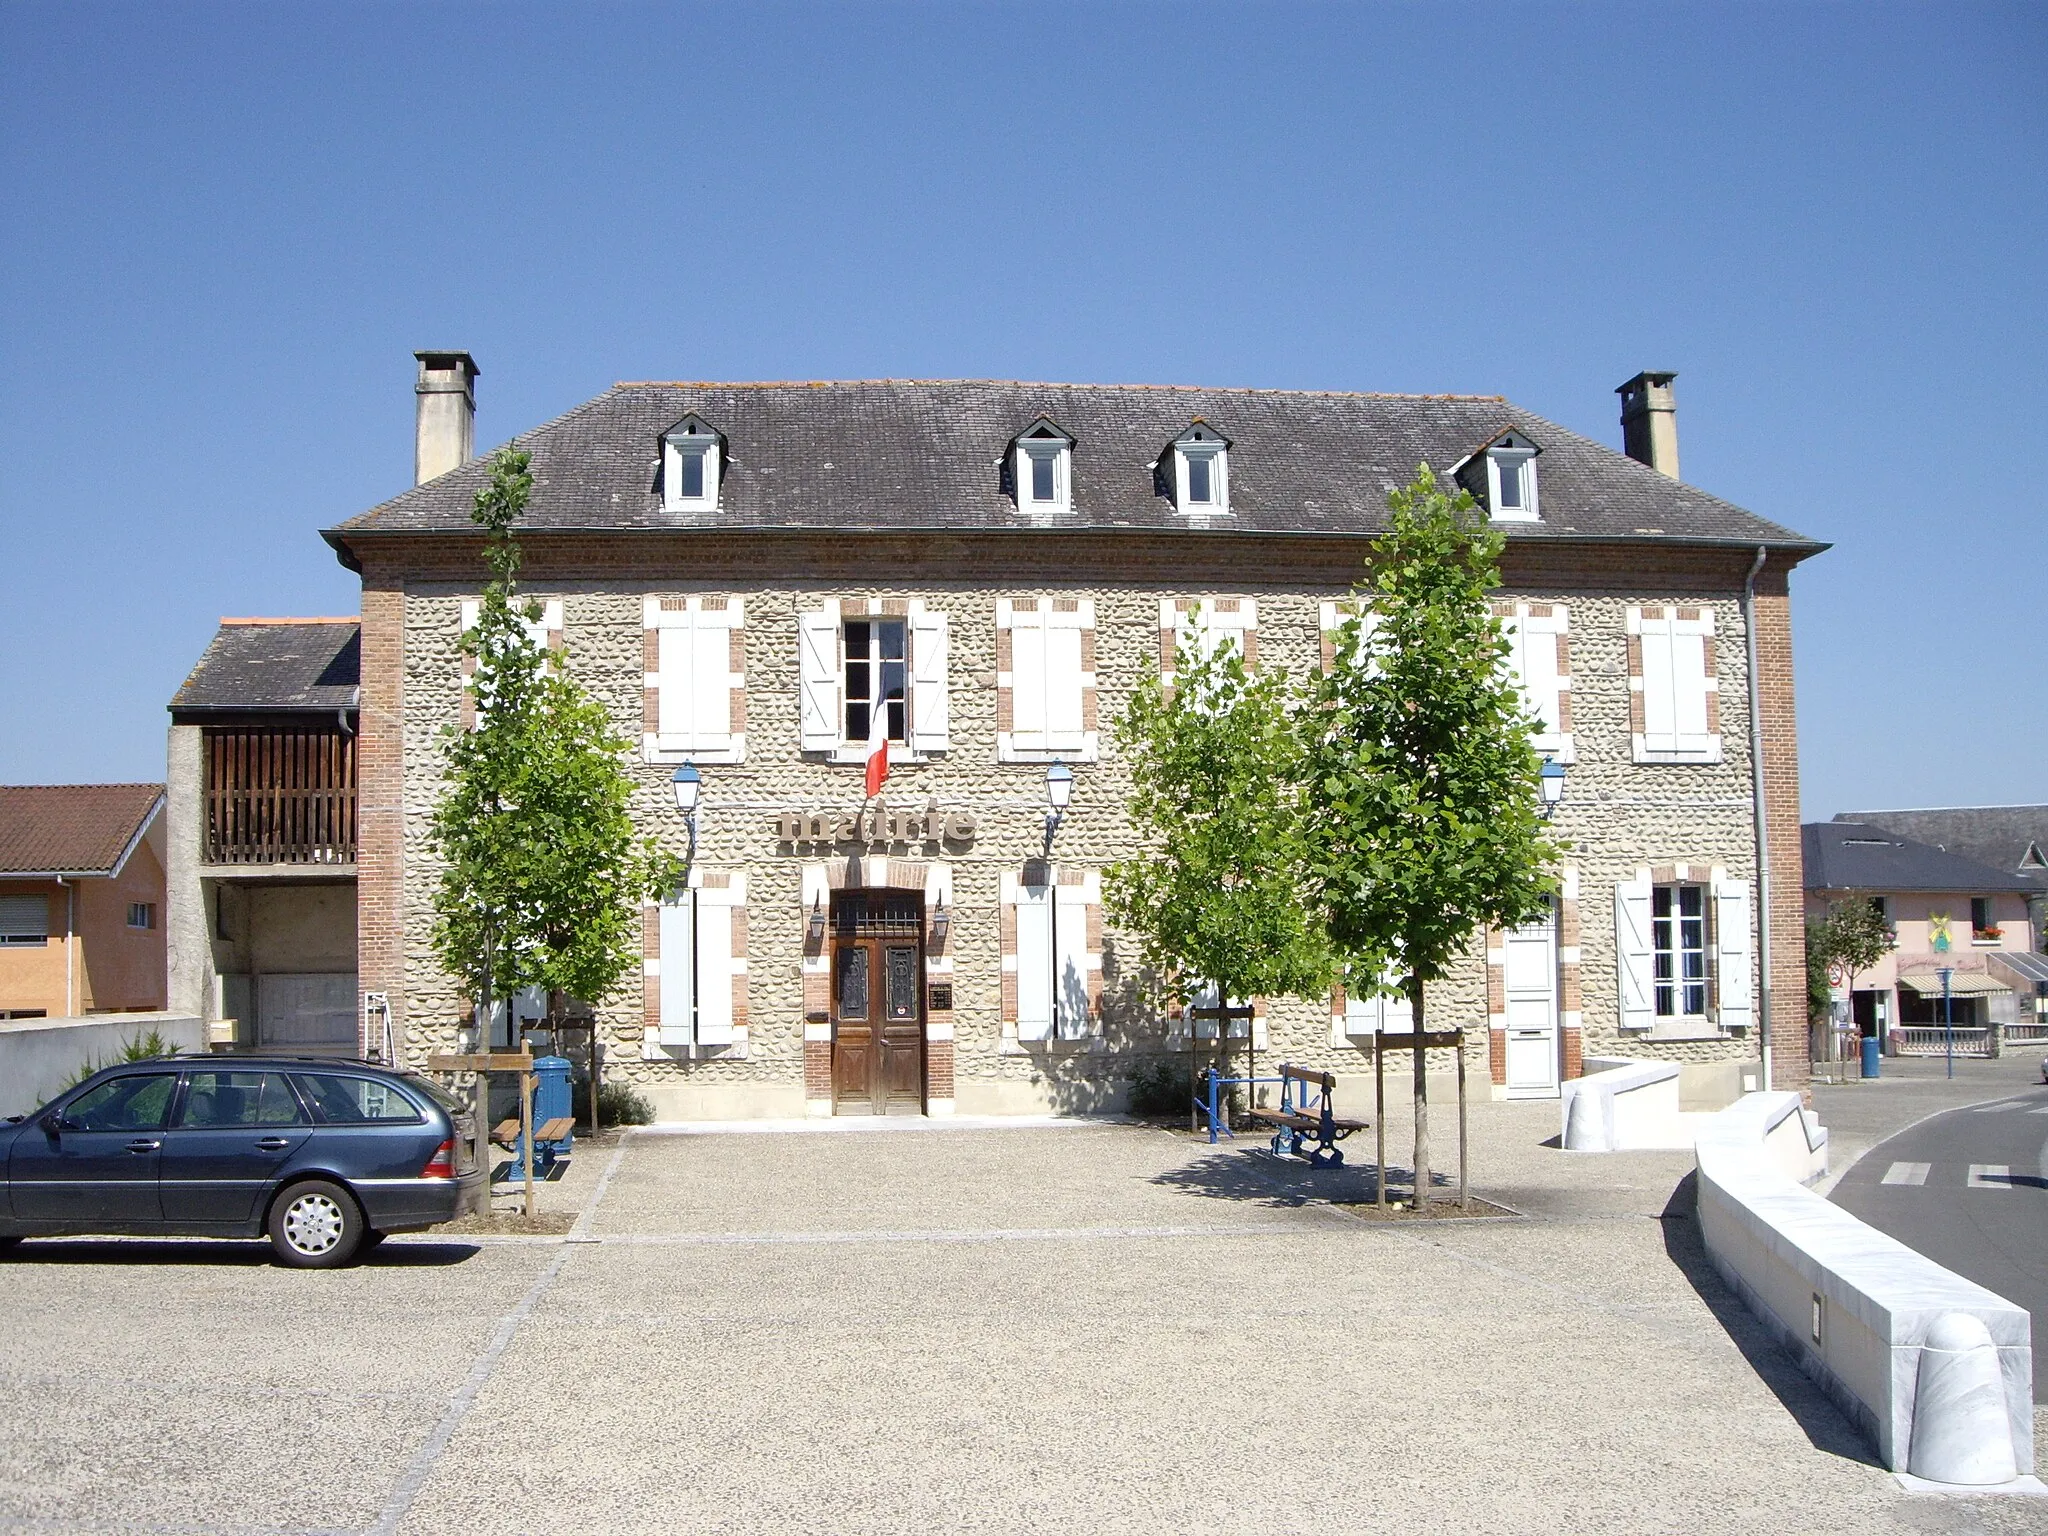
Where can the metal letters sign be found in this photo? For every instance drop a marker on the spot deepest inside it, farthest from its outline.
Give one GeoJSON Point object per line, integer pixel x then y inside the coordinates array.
{"type": "Point", "coordinates": [875, 826]}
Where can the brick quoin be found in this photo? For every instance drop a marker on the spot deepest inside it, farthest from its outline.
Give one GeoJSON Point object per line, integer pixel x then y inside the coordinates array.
{"type": "Point", "coordinates": [380, 808]}
{"type": "Point", "coordinates": [1791, 1063]}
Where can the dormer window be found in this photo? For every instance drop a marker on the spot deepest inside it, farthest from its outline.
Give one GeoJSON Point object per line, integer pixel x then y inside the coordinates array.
{"type": "Point", "coordinates": [691, 459]}
{"type": "Point", "coordinates": [1511, 479]}
{"type": "Point", "coordinates": [1042, 469]}
{"type": "Point", "coordinates": [1201, 470]}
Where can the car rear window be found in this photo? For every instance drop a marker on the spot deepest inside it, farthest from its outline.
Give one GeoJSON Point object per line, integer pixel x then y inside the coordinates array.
{"type": "Point", "coordinates": [428, 1088]}
{"type": "Point", "coordinates": [237, 1098]}
{"type": "Point", "coordinates": [343, 1100]}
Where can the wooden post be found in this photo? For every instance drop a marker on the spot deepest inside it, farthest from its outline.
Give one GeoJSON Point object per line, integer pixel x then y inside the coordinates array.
{"type": "Point", "coordinates": [1379, 1114]}
{"type": "Point", "coordinates": [1464, 1190]}
{"type": "Point", "coordinates": [480, 1106]}
{"type": "Point", "coordinates": [526, 1132]}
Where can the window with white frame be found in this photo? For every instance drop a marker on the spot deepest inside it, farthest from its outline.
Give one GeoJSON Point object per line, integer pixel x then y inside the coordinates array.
{"type": "Point", "coordinates": [1052, 952]}
{"type": "Point", "coordinates": [692, 454]}
{"type": "Point", "coordinates": [1340, 639]}
{"type": "Point", "coordinates": [1683, 948]}
{"type": "Point", "coordinates": [1383, 1012]}
{"type": "Point", "coordinates": [1511, 479]}
{"type": "Point", "coordinates": [1205, 626]}
{"type": "Point", "coordinates": [696, 966]}
{"type": "Point", "coordinates": [859, 655]}
{"type": "Point", "coordinates": [142, 914]}
{"type": "Point", "coordinates": [1201, 470]}
{"type": "Point", "coordinates": [1675, 696]}
{"type": "Point", "coordinates": [1042, 469]}
{"type": "Point", "coordinates": [1538, 659]}
{"type": "Point", "coordinates": [694, 687]}
{"type": "Point", "coordinates": [542, 620]}
{"type": "Point", "coordinates": [1045, 679]}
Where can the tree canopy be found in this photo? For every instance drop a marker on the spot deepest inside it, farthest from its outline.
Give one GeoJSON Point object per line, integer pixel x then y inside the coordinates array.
{"type": "Point", "coordinates": [543, 870]}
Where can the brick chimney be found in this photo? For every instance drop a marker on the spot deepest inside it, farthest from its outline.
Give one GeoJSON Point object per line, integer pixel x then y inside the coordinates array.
{"type": "Point", "coordinates": [445, 431]}
{"type": "Point", "coordinates": [1649, 421]}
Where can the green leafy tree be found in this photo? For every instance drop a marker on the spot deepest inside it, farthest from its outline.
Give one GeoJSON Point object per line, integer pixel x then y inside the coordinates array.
{"type": "Point", "coordinates": [1427, 823]}
{"type": "Point", "coordinates": [543, 871]}
{"type": "Point", "coordinates": [1216, 791]}
{"type": "Point", "coordinates": [1851, 934]}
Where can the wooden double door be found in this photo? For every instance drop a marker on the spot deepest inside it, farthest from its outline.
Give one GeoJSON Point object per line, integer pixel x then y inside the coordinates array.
{"type": "Point", "coordinates": [878, 1003]}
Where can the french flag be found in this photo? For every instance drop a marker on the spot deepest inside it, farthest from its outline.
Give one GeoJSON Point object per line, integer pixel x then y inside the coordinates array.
{"type": "Point", "coordinates": [878, 747]}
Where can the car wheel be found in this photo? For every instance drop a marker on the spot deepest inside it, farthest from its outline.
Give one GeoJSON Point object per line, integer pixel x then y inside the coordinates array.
{"type": "Point", "coordinates": [316, 1225]}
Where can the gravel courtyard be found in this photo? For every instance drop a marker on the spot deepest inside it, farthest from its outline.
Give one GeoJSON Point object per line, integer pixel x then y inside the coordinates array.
{"type": "Point", "coordinates": [1057, 1327]}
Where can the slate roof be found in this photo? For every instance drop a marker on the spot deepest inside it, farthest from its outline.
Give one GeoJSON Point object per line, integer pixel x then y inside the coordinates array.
{"type": "Point", "coordinates": [72, 829]}
{"type": "Point", "coordinates": [903, 454]}
{"type": "Point", "coordinates": [1998, 835]}
{"type": "Point", "coordinates": [1849, 856]}
{"type": "Point", "coordinates": [275, 664]}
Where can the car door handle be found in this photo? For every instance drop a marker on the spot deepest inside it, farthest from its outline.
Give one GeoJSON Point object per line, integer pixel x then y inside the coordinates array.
{"type": "Point", "coordinates": [273, 1143]}
{"type": "Point", "coordinates": [144, 1146]}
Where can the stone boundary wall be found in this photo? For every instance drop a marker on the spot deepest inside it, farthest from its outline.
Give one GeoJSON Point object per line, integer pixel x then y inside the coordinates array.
{"type": "Point", "coordinates": [37, 1056]}
{"type": "Point", "coordinates": [1853, 1306]}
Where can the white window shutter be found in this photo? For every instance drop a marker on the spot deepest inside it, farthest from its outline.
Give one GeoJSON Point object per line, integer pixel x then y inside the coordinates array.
{"type": "Point", "coordinates": [1028, 672]}
{"type": "Point", "coordinates": [1064, 718]}
{"type": "Point", "coordinates": [1533, 658]}
{"type": "Point", "coordinates": [1731, 935]}
{"type": "Point", "coordinates": [675, 972]}
{"type": "Point", "coordinates": [710, 686]}
{"type": "Point", "coordinates": [1397, 1016]}
{"type": "Point", "coordinates": [1071, 925]}
{"type": "Point", "coordinates": [930, 730]}
{"type": "Point", "coordinates": [714, 973]}
{"type": "Point", "coordinates": [1034, 963]}
{"type": "Point", "coordinates": [1689, 692]}
{"type": "Point", "coordinates": [1635, 972]}
{"type": "Point", "coordinates": [1660, 702]}
{"type": "Point", "coordinates": [818, 680]}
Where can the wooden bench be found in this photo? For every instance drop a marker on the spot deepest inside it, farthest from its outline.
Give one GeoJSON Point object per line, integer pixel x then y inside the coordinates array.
{"type": "Point", "coordinates": [1306, 1114]}
{"type": "Point", "coordinates": [506, 1132]}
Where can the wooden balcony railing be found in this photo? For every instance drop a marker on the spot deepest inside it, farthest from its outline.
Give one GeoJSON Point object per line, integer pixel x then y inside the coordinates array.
{"type": "Point", "coordinates": [280, 797]}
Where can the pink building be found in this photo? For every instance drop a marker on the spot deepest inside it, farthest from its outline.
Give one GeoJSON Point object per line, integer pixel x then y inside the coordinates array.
{"type": "Point", "coordinates": [1966, 950]}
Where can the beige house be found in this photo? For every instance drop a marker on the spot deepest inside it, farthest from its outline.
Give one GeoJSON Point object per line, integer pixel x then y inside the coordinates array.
{"type": "Point", "coordinates": [746, 573]}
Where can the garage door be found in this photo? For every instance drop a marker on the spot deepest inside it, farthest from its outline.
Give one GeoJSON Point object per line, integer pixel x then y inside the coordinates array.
{"type": "Point", "coordinates": [315, 1013]}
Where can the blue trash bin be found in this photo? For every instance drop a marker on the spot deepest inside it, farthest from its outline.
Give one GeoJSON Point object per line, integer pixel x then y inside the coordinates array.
{"type": "Point", "coordinates": [1870, 1056]}
{"type": "Point", "coordinates": [551, 1100]}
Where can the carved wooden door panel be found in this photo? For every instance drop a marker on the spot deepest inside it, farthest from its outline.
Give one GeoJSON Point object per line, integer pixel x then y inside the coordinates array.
{"type": "Point", "coordinates": [900, 1079]}
{"type": "Point", "coordinates": [854, 1057]}
{"type": "Point", "coordinates": [878, 1004]}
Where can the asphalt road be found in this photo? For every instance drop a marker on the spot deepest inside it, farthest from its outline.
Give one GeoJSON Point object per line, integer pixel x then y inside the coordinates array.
{"type": "Point", "coordinates": [1969, 1188]}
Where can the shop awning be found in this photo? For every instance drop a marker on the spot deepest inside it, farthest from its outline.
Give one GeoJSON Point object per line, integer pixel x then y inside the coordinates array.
{"type": "Point", "coordinates": [1960, 984]}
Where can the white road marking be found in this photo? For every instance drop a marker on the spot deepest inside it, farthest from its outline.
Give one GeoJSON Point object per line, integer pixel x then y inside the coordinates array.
{"type": "Point", "coordinates": [1906, 1173]}
{"type": "Point", "coordinates": [1992, 1109]}
{"type": "Point", "coordinates": [2043, 1110]}
{"type": "Point", "coordinates": [1990, 1176]}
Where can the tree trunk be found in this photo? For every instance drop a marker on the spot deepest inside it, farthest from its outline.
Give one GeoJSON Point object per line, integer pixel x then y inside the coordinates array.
{"type": "Point", "coordinates": [1421, 1068]}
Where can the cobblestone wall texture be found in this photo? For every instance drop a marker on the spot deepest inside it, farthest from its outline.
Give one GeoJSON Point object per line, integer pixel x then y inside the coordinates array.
{"type": "Point", "coordinates": [1617, 814]}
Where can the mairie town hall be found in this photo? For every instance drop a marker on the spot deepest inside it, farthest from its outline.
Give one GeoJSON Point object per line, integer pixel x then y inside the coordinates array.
{"type": "Point", "coordinates": [765, 582]}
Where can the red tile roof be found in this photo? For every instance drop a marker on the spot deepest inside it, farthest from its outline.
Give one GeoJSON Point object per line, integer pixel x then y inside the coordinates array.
{"type": "Point", "coordinates": [71, 828]}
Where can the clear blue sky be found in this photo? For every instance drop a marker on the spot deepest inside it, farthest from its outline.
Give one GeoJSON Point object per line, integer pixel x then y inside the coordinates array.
{"type": "Point", "coordinates": [225, 229]}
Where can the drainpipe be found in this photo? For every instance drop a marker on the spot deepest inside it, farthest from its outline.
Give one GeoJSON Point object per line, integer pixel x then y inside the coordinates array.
{"type": "Point", "coordinates": [70, 946]}
{"type": "Point", "coordinates": [1763, 833]}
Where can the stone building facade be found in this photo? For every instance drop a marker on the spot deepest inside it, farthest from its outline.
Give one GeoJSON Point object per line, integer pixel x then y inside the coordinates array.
{"type": "Point", "coordinates": [738, 571]}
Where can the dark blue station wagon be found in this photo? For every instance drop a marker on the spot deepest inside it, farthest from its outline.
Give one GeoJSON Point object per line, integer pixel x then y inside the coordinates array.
{"type": "Point", "coordinates": [324, 1156]}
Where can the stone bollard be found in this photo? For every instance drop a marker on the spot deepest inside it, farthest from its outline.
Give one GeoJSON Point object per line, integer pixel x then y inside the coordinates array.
{"type": "Point", "coordinates": [1584, 1129]}
{"type": "Point", "coordinates": [1962, 1432]}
